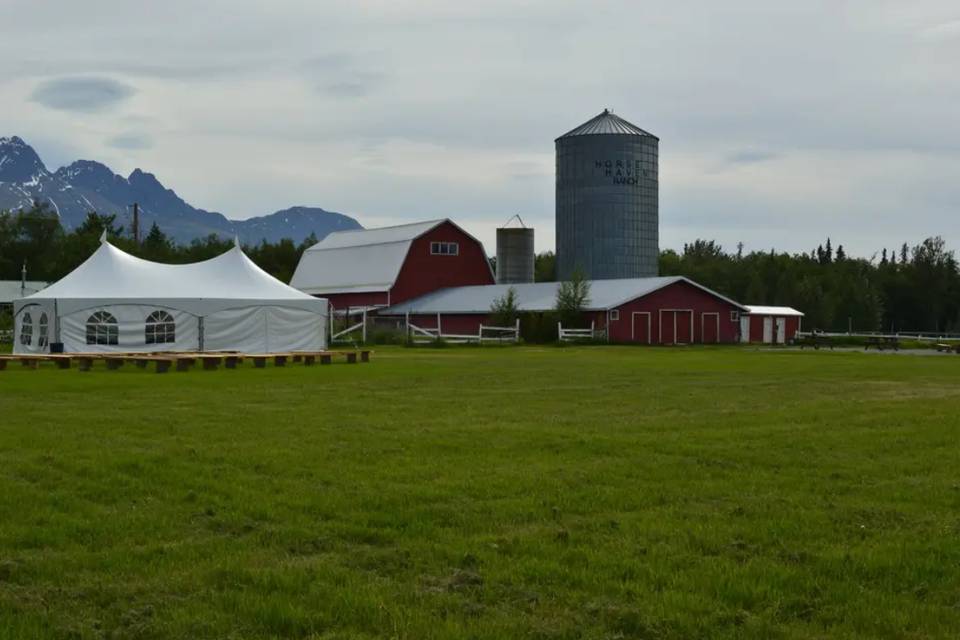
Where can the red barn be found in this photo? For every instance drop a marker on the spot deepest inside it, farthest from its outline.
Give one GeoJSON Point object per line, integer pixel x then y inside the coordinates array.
{"type": "Point", "coordinates": [389, 265]}
{"type": "Point", "coordinates": [669, 310]}
{"type": "Point", "coordinates": [770, 325]}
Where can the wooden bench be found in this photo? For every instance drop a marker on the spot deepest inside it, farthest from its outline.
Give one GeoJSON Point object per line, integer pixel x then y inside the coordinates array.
{"type": "Point", "coordinates": [210, 361]}
{"type": "Point", "coordinates": [944, 347]}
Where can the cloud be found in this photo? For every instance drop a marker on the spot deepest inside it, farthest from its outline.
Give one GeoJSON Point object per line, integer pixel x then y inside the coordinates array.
{"type": "Point", "coordinates": [942, 31]}
{"type": "Point", "coordinates": [131, 141]}
{"type": "Point", "coordinates": [751, 156]}
{"type": "Point", "coordinates": [82, 94]}
{"type": "Point", "coordinates": [340, 75]}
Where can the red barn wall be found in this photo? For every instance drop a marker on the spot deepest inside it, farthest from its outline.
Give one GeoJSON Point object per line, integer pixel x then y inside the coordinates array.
{"type": "Point", "coordinates": [344, 300]}
{"type": "Point", "coordinates": [679, 295]}
{"type": "Point", "coordinates": [422, 272]}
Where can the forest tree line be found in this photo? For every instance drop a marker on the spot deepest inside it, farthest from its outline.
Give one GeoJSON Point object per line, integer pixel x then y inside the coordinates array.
{"type": "Point", "coordinates": [904, 289]}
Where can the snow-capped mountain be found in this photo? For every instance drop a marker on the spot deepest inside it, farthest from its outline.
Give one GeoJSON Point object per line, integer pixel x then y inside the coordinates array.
{"type": "Point", "coordinates": [83, 186]}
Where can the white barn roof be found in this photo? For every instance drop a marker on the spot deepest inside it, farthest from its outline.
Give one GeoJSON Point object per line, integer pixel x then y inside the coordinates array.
{"type": "Point", "coordinates": [358, 260]}
{"type": "Point", "coordinates": [761, 310]}
{"type": "Point", "coordinates": [538, 296]}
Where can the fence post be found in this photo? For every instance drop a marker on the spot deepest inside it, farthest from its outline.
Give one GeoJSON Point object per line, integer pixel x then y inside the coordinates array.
{"type": "Point", "coordinates": [559, 332]}
{"type": "Point", "coordinates": [480, 334]}
{"type": "Point", "coordinates": [516, 336]}
{"type": "Point", "coordinates": [364, 325]}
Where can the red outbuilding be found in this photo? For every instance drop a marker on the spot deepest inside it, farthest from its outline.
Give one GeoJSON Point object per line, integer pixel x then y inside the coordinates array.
{"type": "Point", "coordinates": [667, 310]}
{"type": "Point", "coordinates": [389, 265]}
{"type": "Point", "coordinates": [770, 325]}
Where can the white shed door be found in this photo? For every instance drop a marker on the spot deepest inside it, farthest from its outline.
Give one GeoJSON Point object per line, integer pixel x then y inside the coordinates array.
{"type": "Point", "coordinates": [767, 330]}
{"type": "Point", "coordinates": [744, 328]}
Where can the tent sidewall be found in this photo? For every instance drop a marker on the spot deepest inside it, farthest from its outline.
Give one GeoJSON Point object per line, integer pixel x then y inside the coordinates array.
{"type": "Point", "coordinates": [249, 326]}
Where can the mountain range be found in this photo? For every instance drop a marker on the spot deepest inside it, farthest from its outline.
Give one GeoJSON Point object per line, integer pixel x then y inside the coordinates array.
{"type": "Point", "coordinates": [84, 186]}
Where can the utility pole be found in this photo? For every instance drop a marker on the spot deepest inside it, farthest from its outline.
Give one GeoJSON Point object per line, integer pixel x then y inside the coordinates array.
{"type": "Point", "coordinates": [136, 223]}
{"type": "Point", "coordinates": [23, 279]}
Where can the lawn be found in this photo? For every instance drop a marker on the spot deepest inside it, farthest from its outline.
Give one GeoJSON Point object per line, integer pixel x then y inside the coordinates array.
{"type": "Point", "coordinates": [594, 492]}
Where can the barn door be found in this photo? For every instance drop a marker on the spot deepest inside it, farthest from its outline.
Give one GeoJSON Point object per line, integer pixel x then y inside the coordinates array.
{"type": "Point", "coordinates": [781, 330]}
{"type": "Point", "coordinates": [710, 327]}
{"type": "Point", "coordinates": [684, 320]}
{"type": "Point", "coordinates": [744, 328]}
{"type": "Point", "coordinates": [640, 330]}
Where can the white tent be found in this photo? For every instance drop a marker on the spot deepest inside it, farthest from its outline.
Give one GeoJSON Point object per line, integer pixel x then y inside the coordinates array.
{"type": "Point", "coordinates": [116, 302]}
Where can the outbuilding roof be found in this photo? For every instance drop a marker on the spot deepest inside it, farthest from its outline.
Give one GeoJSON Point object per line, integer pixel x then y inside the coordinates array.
{"type": "Point", "coordinates": [359, 260]}
{"type": "Point", "coordinates": [539, 296]}
{"type": "Point", "coordinates": [11, 290]}
{"type": "Point", "coordinates": [607, 123]}
{"type": "Point", "coordinates": [761, 310]}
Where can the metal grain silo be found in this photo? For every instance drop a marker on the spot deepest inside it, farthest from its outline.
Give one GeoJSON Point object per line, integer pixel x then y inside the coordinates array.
{"type": "Point", "coordinates": [607, 207]}
{"type": "Point", "coordinates": [515, 254]}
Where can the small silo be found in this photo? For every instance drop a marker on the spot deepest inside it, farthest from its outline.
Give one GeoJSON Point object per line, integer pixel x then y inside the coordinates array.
{"type": "Point", "coordinates": [607, 202]}
{"type": "Point", "coordinates": [515, 254]}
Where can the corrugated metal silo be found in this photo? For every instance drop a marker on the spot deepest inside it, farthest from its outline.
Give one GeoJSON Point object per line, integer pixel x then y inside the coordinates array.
{"type": "Point", "coordinates": [515, 255]}
{"type": "Point", "coordinates": [607, 207]}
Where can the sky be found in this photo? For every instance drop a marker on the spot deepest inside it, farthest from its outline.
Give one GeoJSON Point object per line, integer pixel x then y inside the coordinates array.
{"type": "Point", "coordinates": [780, 123]}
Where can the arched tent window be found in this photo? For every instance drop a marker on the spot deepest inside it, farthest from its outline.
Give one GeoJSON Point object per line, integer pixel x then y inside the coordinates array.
{"type": "Point", "coordinates": [43, 335]}
{"type": "Point", "coordinates": [26, 329]}
{"type": "Point", "coordinates": [160, 328]}
{"type": "Point", "coordinates": [102, 329]}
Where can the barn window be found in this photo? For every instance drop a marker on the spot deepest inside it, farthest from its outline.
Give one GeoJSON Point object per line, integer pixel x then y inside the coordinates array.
{"type": "Point", "coordinates": [42, 335]}
{"type": "Point", "coordinates": [102, 329]}
{"type": "Point", "coordinates": [160, 328]}
{"type": "Point", "coordinates": [615, 314]}
{"type": "Point", "coordinates": [444, 248]}
{"type": "Point", "coordinates": [26, 330]}
{"type": "Point", "coordinates": [734, 315]}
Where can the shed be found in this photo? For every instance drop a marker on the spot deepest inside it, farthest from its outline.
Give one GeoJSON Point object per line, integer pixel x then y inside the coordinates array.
{"type": "Point", "coordinates": [770, 325]}
{"type": "Point", "coordinates": [388, 265]}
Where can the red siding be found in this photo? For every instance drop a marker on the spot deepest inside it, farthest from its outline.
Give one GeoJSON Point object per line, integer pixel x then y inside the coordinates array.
{"type": "Point", "coordinates": [422, 272]}
{"type": "Point", "coordinates": [707, 312]}
{"type": "Point", "coordinates": [344, 300]}
{"type": "Point", "coordinates": [681, 301]}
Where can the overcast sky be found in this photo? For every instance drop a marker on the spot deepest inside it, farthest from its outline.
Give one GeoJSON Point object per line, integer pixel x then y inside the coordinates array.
{"type": "Point", "coordinates": [780, 122]}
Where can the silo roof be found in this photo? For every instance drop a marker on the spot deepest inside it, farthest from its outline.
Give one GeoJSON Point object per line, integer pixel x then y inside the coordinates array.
{"type": "Point", "coordinates": [608, 123]}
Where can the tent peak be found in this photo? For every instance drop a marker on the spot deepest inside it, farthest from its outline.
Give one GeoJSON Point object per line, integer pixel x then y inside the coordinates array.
{"type": "Point", "coordinates": [103, 237]}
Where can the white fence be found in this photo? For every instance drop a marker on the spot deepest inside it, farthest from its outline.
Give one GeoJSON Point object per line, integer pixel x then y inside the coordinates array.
{"type": "Point", "coordinates": [899, 335]}
{"type": "Point", "coordinates": [485, 333]}
{"type": "Point", "coordinates": [573, 335]}
{"type": "Point", "coordinates": [345, 334]}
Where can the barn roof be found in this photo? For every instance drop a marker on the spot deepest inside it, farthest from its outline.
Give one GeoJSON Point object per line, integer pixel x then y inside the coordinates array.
{"type": "Point", "coordinates": [761, 310]}
{"type": "Point", "coordinates": [359, 260]}
{"type": "Point", "coordinates": [538, 296]}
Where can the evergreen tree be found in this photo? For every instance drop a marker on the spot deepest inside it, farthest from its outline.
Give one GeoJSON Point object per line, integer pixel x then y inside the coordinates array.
{"type": "Point", "coordinates": [572, 297]}
{"type": "Point", "coordinates": [504, 310]}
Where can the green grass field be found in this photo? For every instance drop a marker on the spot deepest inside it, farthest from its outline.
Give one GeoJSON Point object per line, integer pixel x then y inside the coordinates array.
{"type": "Point", "coordinates": [486, 493]}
